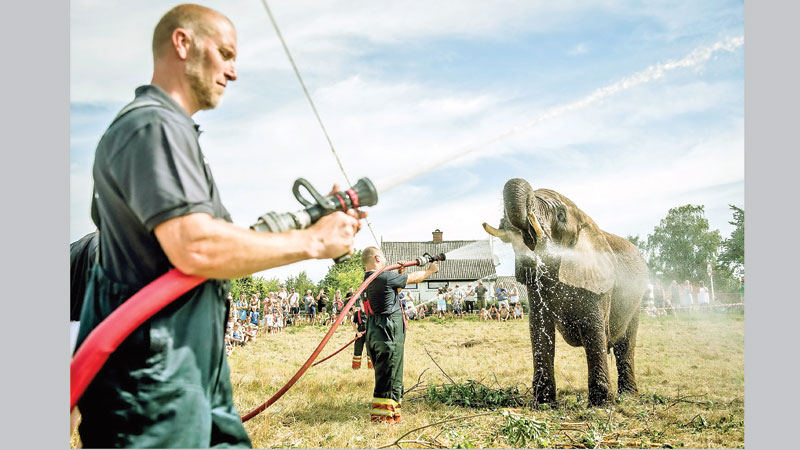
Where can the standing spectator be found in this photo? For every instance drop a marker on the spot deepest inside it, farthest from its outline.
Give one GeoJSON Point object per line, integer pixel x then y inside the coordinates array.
{"type": "Point", "coordinates": [502, 298]}
{"type": "Point", "coordinates": [311, 306]}
{"type": "Point", "coordinates": [674, 294]}
{"type": "Point", "coordinates": [687, 298]}
{"type": "Point", "coordinates": [283, 294]}
{"type": "Point", "coordinates": [337, 301]}
{"type": "Point", "coordinates": [347, 297]}
{"type": "Point", "coordinates": [658, 295]}
{"type": "Point", "coordinates": [322, 300]}
{"type": "Point", "coordinates": [458, 306]}
{"type": "Point", "coordinates": [448, 297]}
{"type": "Point", "coordinates": [481, 291]}
{"type": "Point", "coordinates": [242, 308]}
{"type": "Point", "coordinates": [294, 306]}
{"type": "Point", "coordinates": [458, 301]}
{"type": "Point", "coordinates": [469, 299]}
{"type": "Point", "coordinates": [513, 296]}
{"type": "Point", "coordinates": [702, 295]}
{"type": "Point", "coordinates": [254, 306]}
{"type": "Point", "coordinates": [441, 304]}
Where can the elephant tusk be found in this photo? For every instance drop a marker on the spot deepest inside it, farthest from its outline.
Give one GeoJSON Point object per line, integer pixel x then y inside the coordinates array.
{"type": "Point", "coordinates": [536, 227]}
{"type": "Point", "coordinates": [494, 231]}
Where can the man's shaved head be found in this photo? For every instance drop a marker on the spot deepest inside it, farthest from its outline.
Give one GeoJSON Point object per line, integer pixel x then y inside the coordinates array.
{"type": "Point", "coordinates": [368, 255]}
{"type": "Point", "coordinates": [198, 20]}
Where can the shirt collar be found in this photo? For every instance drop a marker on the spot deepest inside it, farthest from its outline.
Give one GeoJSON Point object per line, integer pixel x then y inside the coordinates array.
{"type": "Point", "coordinates": [154, 92]}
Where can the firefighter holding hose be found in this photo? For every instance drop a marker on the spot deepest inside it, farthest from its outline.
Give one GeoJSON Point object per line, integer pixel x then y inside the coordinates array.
{"type": "Point", "coordinates": [386, 332]}
{"type": "Point", "coordinates": [157, 207]}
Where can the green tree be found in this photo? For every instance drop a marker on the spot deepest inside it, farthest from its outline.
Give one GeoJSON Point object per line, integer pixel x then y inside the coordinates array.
{"type": "Point", "coordinates": [344, 275]}
{"type": "Point", "coordinates": [682, 244]}
{"type": "Point", "coordinates": [730, 262]}
{"type": "Point", "coordinates": [301, 283]}
{"type": "Point", "coordinates": [640, 243]}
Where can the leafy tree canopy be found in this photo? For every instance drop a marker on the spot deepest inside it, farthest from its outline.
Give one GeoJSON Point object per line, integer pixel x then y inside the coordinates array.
{"type": "Point", "coordinates": [682, 244]}
{"type": "Point", "coordinates": [344, 275]}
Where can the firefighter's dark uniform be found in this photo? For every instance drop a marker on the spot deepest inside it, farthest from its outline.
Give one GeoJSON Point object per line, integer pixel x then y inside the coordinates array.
{"type": "Point", "coordinates": [168, 384]}
{"type": "Point", "coordinates": [360, 320]}
{"type": "Point", "coordinates": [386, 337]}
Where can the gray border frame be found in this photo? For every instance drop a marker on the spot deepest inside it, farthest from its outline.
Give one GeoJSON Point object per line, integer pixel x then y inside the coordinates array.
{"type": "Point", "coordinates": [36, 132]}
{"type": "Point", "coordinates": [35, 77]}
{"type": "Point", "coordinates": [771, 126]}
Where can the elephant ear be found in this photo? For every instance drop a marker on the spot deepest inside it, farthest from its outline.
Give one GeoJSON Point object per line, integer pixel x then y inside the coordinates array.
{"type": "Point", "coordinates": [589, 264]}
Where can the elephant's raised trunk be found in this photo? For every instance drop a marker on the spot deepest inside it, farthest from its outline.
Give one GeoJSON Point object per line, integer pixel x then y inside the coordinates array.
{"type": "Point", "coordinates": [517, 197]}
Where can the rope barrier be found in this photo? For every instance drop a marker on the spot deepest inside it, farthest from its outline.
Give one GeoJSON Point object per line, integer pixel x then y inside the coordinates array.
{"type": "Point", "coordinates": [313, 107]}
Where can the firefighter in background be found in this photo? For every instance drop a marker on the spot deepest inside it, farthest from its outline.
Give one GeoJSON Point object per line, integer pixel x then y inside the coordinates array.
{"type": "Point", "coordinates": [359, 322]}
{"type": "Point", "coordinates": [386, 333]}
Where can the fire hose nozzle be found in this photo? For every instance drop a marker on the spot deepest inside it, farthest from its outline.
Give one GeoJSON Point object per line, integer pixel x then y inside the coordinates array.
{"type": "Point", "coordinates": [363, 193]}
{"type": "Point", "coordinates": [427, 258]}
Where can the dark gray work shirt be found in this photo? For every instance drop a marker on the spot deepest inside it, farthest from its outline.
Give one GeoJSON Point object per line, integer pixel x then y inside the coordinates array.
{"type": "Point", "coordinates": [148, 168]}
{"type": "Point", "coordinates": [382, 292]}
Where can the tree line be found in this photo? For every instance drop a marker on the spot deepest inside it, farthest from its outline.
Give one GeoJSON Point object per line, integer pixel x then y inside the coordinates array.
{"type": "Point", "coordinates": [340, 276]}
{"type": "Point", "coordinates": [682, 244]}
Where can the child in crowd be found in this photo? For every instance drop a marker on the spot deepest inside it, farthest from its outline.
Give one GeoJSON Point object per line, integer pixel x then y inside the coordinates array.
{"type": "Point", "coordinates": [236, 336]}
{"type": "Point", "coordinates": [324, 318]}
{"type": "Point", "coordinates": [518, 311]}
{"type": "Point", "coordinates": [484, 315]}
{"type": "Point", "coordinates": [270, 322]}
{"type": "Point", "coordinates": [278, 320]}
{"type": "Point", "coordinates": [251, 332]}
{"type": "Point", "coordinates": [493, 314]}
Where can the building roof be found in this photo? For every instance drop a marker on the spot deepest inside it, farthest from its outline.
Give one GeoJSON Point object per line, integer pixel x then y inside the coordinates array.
{"type": "Point", "coordinates": [466, 260]}
{"type": "Point", "coordinates": [507, 280]}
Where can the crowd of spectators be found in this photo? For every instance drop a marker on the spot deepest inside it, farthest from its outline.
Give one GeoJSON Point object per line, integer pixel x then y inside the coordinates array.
{"type": "Point", "coordinates": [676, 297]}
{"type": "Point", "coordinates": [251, 316]}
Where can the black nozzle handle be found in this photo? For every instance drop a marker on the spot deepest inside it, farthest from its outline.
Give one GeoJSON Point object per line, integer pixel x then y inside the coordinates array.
{"type": "Point", "coordinates": [341, 259]}
{"type": "Point", "coordinates": [427, 258]}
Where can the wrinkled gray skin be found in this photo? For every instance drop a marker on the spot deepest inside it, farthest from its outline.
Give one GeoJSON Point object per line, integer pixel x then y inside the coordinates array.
{"type": "Point", "coordinates": [588, 286]}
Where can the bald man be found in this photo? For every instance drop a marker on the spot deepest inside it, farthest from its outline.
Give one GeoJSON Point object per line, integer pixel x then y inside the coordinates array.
{"type": "Point", "coordinates": [157, 207]}
{"type": "Point", "coordinates": [386, 334]}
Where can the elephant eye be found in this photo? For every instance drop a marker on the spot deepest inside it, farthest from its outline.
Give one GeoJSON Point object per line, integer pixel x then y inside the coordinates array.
{"type": "Point", "coordinates": [561, 215]}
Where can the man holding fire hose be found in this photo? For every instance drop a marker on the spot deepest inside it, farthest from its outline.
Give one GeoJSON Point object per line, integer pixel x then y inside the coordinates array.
{"type": "Point", "coordinates": [156, 207]}
{"type": "Point", "coordinates": [386, 333]}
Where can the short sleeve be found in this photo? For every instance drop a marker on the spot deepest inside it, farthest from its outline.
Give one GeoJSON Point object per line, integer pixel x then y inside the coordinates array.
{"type": "Point", "coordinates": [396, 280]}
{"type": "Point", "coordinates": [161, 174]}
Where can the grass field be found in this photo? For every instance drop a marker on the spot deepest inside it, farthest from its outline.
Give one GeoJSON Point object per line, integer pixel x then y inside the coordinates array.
{"type": "Point", "coordinates": [690, 371]}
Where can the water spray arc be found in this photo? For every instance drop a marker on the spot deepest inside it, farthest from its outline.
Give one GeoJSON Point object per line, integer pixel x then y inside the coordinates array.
{"type": "Point", "coordinates": [652, 73]}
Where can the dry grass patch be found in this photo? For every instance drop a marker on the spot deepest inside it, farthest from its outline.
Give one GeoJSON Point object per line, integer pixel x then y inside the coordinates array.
{"type": "Point", "coordinates": [690, 371]}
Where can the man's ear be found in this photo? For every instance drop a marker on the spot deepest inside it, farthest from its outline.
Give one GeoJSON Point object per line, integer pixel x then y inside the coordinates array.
{"type": "Point", "coordinates": [181, 42]}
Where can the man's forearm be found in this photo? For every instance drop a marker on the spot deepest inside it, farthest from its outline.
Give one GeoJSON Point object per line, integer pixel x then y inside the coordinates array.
{"type": "Point", "coordinates": [416, 277]}
{"type": "Point", "coordinates": [217, 249]}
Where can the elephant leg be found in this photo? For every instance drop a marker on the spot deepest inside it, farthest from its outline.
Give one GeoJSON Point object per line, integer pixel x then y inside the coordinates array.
{"type": "Point", "coordinates": [623, 352]}
{"type": "Point", "coordinates": [594, 341]}
{"type": "Point", "coordinates": [543, 338]}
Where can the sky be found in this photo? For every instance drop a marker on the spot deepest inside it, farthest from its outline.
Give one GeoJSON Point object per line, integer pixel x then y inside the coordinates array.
{"type": "Point", "coordinates": [627, 108]}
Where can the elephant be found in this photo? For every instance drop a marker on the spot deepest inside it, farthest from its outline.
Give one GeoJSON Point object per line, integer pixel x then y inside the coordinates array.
{"type": "Point", "coordinates": [581, 280]}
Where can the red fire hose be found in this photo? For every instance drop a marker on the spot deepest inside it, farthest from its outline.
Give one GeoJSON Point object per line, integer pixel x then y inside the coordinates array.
{"type": "Point", "coordinates": [337, 351]}
{"type": "Point", "coordinates": [324, 341]}
{"type": "Point", "coordinates": [109, 334]}
{"type": "Point", "coordinates": [112, 331]}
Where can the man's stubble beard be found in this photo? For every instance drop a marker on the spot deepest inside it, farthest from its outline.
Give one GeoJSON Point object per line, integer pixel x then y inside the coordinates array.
{"type": "Point", "coordinates": [199, 82]}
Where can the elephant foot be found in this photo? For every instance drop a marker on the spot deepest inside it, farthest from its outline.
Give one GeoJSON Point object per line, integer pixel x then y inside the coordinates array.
{"type": "Point", "coordinates": [544, 393]}
{"type": "Point", "coordinates": [627, 387]}
{"type": "Point", "coordinates": [598, 395]}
